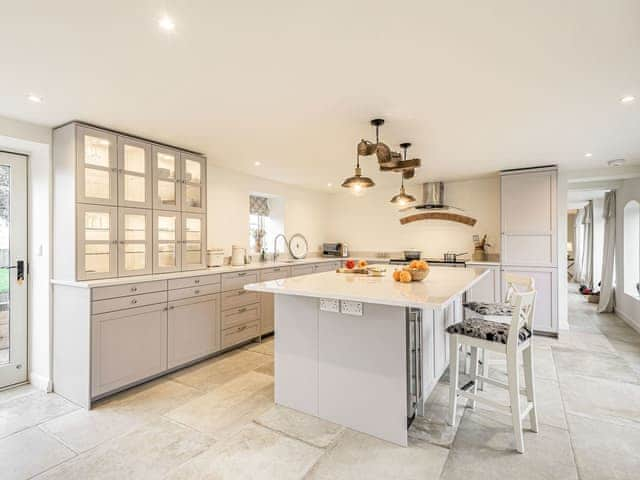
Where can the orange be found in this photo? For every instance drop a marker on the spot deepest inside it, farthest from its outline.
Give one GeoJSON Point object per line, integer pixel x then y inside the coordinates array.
{"type": "Point", "coordinates": [414, 264]}
{"type": "Point", "coordinates": [362, 263]}
{"type": "Point", "coordinates": [405, 277]}
{"type": "Point", "coordinates": [422, 265]}
{"type": "Point", "coordinates": [396, 275]}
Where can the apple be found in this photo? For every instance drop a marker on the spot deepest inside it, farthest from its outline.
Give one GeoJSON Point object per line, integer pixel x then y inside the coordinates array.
{"type": "Point", "coordinates": [350, 264]}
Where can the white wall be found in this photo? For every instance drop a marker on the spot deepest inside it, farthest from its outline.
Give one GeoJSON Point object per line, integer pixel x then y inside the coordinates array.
{"type": "Point", "coordinates": [371, 223]}
{"type": "Point", "coordinates": [305, 211]}
{"type": "Point", "coordinates": [627, 306]}
{"type": "Point", "coordinates": [35, 141]}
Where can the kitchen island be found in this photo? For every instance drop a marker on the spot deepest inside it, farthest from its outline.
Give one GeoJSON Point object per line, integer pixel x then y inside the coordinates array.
{"type": "Point", "coordinates": [364, 351]}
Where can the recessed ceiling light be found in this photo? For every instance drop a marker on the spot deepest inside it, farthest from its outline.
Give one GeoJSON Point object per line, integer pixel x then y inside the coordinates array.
{"type": "Point", "coordinates": [257, 164]}
{"type": "Point", "coordinates": [167, 24]}
{"type": "Point", "coordinates": [588, 154]}
{"type": "Point", "coordinates": [32, 97]}
{"type": "Point", "coordinates": [329, 184]}
{"type": "Point", "coordinates": [617, 162]}
{"type": "Point", "coordinates": [627, 99]}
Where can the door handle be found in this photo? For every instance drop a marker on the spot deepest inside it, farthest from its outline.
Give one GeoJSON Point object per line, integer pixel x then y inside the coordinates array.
{"type": "Point", "coordinates": [19, 266]}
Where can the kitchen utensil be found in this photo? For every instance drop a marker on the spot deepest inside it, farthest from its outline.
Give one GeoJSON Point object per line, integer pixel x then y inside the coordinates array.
{"type": "Point", "coordinates": [215, 257]}
{"type": "Point", "coordinates": [452, 257]}
{"type": "Point", "coordinates": [412, 255]}
{"type": "Point", "coordinates": [238, 255]}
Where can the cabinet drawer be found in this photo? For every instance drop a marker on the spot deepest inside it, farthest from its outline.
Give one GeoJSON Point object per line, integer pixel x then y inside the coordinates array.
{"type": "Point", "coordinates": [234, 281]}
{"type": "Point", "coordinates": [274, 273]}
{"type": "Point", "coordinates": [181, 293]}
{"type": "Point", "coordinates": [235, 335]}
{"type": "Point", "coordinates": [238, 316]}
{"type": "Point", "coordinates": [121, 303]}
{"type": "Point", "coordinates": [193, 281]}
{"type": "Point", "coordinates": [101, 293]}
{"type": "Point", "coordinates": [302, 270]}
{"type": "Point", "coordinates": [238, 298]}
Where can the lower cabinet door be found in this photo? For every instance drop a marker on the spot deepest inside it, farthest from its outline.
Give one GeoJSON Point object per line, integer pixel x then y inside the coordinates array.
{"type": "Point", "coordinates": [267, 323]}
{"type": "Point", "coordinates": [546, 307]}
{"type": "Point", "coordinates": [193, 329]}
{"type": "Point", "coordinates": [128, 346]}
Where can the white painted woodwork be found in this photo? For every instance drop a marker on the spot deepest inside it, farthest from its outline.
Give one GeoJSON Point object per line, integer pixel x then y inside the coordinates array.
{"type": "Point", "coordinates": [488, 288]}
{"type": "Point", "coordinates": [194, 244]}
{"type": "Point", "coordinates": [266, 299]}
{"type": "Point", "coordinates": [546, 285]}
{"type": "Point", "coordinates": [237, 280]}
{"type": "Point", "coordinates": [135, 174]}
{"type": "Point", "coordinates": [193, 329]}
{"type": "Point", "coordinates": [96, 166]}
{"type": "Point", "coordinates": [194, 180]}
{"type": "Point", "coordinates": [114, 291]}
{"type": "Point", "coordinates": [96, 242]}
{"type": "Point", "coordinates": [131, 301]}
{"type": "Point", "coordinates": [193, 281]}
{"type": "Point", "coordinates": [127, 346]}
{"type": "Point", "coordinates": [167, 178]}
{"type": "Point", "coordinates": [167, 241]}
{"type": "Point", "coordinates": [135, 240]}
{"type": "Point", "coordinates": [181, 293]}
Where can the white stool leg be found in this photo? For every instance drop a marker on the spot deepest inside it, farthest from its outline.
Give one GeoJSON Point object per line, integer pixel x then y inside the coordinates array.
{"type": "Point", "coordinates": [514, 396]}
{"type": "Point", "coordinates": [453, 377]}
{"type": "Point", "coordinates": [484, 370]}
{"type": "Point", "coordinates": [474, 374]}
{"type": "Point", "coordinates": [527, 356]}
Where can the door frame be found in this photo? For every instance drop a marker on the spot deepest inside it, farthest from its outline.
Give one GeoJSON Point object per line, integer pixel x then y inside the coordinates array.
{"type": "Point", "coordinates": [21, 374]}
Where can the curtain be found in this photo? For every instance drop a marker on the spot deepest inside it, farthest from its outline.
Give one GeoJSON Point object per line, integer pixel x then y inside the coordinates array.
{"type": "Point", "coordinates": [577, 246]}
{"type": "Point", "coordinates": [587, 246]}
{"type": "Point", "coordinates": [259, 205]}
{"type": "Point", "coordinates": [607, 297]}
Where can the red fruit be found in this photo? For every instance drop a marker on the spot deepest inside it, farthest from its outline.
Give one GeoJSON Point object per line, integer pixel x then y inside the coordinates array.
{"type": "Point", "coordinates": [350, 264]}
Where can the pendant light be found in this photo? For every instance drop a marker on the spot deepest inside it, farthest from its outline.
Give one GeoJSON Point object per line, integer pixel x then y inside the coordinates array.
{"type": "Point", "coordinates": [358, 182]}
{"type": "Point", "coordinates": [403, 198]}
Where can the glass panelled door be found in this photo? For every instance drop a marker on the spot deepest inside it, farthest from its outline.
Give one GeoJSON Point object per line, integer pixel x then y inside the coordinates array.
{"type": "Point", "coordinates": [97, 239]}
{"type": "Point", "coordinates": [134, 173]}
{"type": "Point", "coordinates": [97, 167]}
{"type": "Point", "coordinates": [13, 269]}
{"type": "Point", "coordinates": [166, 179]}
{"type": "Point", "coordinates": [166, 241]}
{"type": "Point", "coordinates": [135, 248]}
{"type": "Point", "coordinates": [193, 241]}
{"type": "Point", "coordinates": [193, 179]}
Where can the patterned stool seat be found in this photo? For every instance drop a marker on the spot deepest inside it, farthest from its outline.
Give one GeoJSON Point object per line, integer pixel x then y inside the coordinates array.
{"type": "Point", "coordinates": [486, 330]}
{"type": "Point", "coordinates": [490, 309]}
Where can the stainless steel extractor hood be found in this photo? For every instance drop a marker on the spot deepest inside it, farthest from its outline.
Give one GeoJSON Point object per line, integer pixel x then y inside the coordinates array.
{"type": "Point", "coordinates": [433, 197]}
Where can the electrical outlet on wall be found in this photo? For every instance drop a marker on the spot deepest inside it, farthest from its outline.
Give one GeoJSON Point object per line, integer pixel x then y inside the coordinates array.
{"type": "Point", "coordinates": [351, 308]}
{"type": "Point", "coordinates": [330, 305]}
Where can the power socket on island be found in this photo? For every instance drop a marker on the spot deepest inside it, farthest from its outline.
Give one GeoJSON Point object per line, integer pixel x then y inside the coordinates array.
{"type": "Point", "coordinates": [351, 308]}
{"type": "Point", "coordinates": [330, 305]}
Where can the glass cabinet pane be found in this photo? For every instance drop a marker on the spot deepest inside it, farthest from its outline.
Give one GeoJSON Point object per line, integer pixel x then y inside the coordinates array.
{"type": "Point", "coordinates": [193, 180]}
{"type": "Point", "coordinates": [97, 246]}
{"type": "Point", "coordinates": [167, 193]}
{"type": "Point", "coordinates": [166, 166]}
{"type": "Point", "coordinates": [97, 258]}
{"type": "Point", "coordinates": [192, 172]}
{"type": "Point", "coordinates": [134, 188]}
{"type": "Point", "coordinates": [192, 196]}
{"type": "Point", "coordinates": [135, 227]}
{"type": "Point", "coordinates": [135, 241]}
{"type": "Point", "coordinates": [135, 257]}
{"type": "Point", "coordinates": [96, 166]}
{"type": "Point", "coordinates": [167, 179]}
{"type": "Point", "coordinates": [193, 238]}
{"type": "Point", "coordinates": [96, 151]}
{"type": "Point", "coordinates": [134, 159]}
{"type": "Point", "coordinates": [97, 226]}
{"type": "Point", "coordinates": [134, 166]}
{"type": "Point", "coordinates": [167, 241]}
{"type": "Point", "coordinates": [97, 183]}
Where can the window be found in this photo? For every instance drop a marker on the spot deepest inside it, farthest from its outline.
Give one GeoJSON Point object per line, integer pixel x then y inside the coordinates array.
{"type": "Point", "coordinates": [631, 232]}
{"type": "Point", "coordinates": [265, 222]}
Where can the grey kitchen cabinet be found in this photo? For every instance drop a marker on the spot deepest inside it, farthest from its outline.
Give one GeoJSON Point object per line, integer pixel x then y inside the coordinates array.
{"type": "Point", "coordinates": [167, 178]}
{"type": "Point", "coordinates": [194, 246]}
{"type": "Point", "coordinates": [266, 299]}
{"type": "Point", "coordinates": [127, 346]}
{"type": "Point", "coordinates": [298, 270]}
{"type": "Point", "coordinates": [193, 329]}
{"type": "Point", "coordinates": [135, 244]}
{"type": "Point", "coordinates": [488, 289]}
{"type": "Point", "coordinates": [96, 249]}
{"type": "Point", "coordinates": [96, 165]}
{"type": "Point", "coordinates": [135, 177]}
{"type": "Point", "coordinates": [167, 241]}
{"type": "Point", "coordinates": [194, 178]}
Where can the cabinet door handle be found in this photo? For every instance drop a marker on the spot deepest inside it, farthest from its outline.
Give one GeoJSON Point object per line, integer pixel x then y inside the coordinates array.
{"type": "Point", "coordinates": [196, 281]}
{"type": "Point", "coordinates": [242, 274]}
{"type": "Point", "coordinates": [134, 289]}
{"type": "Point", "coordinates": [244, 327]}
{"type": "Point", "coordinates": [171, 307]}
{"type": "Point", "coordinates": [134, 301]}
{"type": "Point", "coordinates": [276, 269]}
{"type": "Point", "coordinates": [196, 291]}
{"type": "Point", "coordinates": [165, 309]}
{"type": "Point", "coordinates": [242, 292]}
{"type": "Point", "coordinates": [242, 310]}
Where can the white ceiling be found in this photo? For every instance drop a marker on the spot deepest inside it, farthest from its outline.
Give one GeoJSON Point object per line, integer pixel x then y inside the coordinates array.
{"type": "Point", "coordinates": [476, 86]}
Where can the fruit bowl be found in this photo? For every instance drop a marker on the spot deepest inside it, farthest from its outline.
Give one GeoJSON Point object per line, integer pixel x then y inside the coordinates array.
{"type": "Point", "coordinates": [417, 275]}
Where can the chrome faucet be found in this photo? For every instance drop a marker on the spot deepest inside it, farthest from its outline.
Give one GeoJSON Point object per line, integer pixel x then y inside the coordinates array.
{"type": "Point", "coordinates": [275, 245]}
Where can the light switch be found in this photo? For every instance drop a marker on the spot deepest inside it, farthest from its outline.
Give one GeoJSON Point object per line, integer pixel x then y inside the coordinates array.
{"type": "Point", "coordinates": [351, 308]}
{"type": "Point", "coordinates": [330, 305]}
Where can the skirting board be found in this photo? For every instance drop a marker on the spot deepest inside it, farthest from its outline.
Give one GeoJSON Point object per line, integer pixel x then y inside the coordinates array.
{"type": "Point", "coordinates": [629, 320]}
{"type": "Point", "coordinates": [40, 382]}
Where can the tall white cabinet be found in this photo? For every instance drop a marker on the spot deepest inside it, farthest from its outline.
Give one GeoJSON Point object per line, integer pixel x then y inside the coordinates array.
{"type": "Point", "coordinates": [140, 207]}
{"type": "Point", "coordinates": [529, 237]}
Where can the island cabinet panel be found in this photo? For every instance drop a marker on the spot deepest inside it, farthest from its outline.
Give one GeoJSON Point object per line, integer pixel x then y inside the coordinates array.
{"type": "Point", "coordinates": [296, 353]}
{"type": "Point", "coordinates": [127, 346]}
{"type": "Point", "coordinates": [488, 288]}
{"type": "Point", "coordinates": [193, 329]}
{"type": "Point", "coordinates": [267, 323]}
{"type": "Point", "coordinates": [429, 379]}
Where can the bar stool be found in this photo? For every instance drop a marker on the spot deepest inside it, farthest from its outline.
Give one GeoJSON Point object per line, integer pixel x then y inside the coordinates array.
{"type": "Point", "coordinates": [511, 340]}
{"type": "Point", "coordinates": [499, 312]}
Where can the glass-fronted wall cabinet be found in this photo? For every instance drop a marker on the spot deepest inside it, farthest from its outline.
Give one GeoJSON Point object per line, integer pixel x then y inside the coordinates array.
{"type": "Point", "coordinates": [134, 173]}
{"type": "Point", "coordinates": [167, 179]}
{"type": "Point", "coordinates": [97, 242]}
{"type": "Point", "coordinates": [193, 183]}
{"type": "Point", "coordinates": [193, 241]}
{"type": "Point", "coordinates": [167, 241]}
{"type": "Point", "coordinates": [135, 241]}
{"type": "Point", "coordinates": [97, 167]}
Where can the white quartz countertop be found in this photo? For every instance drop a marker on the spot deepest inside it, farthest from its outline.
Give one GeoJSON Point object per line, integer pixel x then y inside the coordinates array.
{"type": "Point", "coordinates": [441, 287]}
{"type": "Point", "coordinates": [194, 273]}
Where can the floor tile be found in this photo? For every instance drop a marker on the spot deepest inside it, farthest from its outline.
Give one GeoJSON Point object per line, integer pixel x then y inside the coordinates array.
{"type": "Point", "coordinates": [149, 452]}
{"type": "Point", "coordinates": [30, 452]}
{"type": "Point", "coordinates": [267, 369]}
{"type": "Point", "coordinates": [594, 364]}
{"type": "Point", "coordinates": [620, 332]}
{"type": "Point", "coordinates": [254, 452]}
{"type": "Point", "coordinates": [28, 410]}
{"type": "Point", "coordinates": [359, 456]}
{"type": "Point", "coordinates": [19, 391]}
{"type": "Point", "coordinates": [591, 342]}
{"type": "Point", "coordinates": [82, 430]}
{"type": "Point", "coordinates": [600, 398]}
{"type": "Point", "coordinates": [219, 370]}
{"type": "Point", "coordinates": [228, 407]}
{"type": "Point", "coordinates": [604, 449]}
{"type": "Point", "coordinates": [310, 429]}
{"type": "Point", "coordinates": [484, 449]}
{"type": "Point", "coordinates": [265, 348]}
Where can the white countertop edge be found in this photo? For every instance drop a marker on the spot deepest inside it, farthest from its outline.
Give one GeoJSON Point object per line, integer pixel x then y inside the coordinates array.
{"type": "Point", "coordinates": [265, 288]}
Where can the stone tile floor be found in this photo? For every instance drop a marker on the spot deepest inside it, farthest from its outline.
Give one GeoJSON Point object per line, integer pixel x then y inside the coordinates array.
{"type": "Point", "coordinates": [217, 420]}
